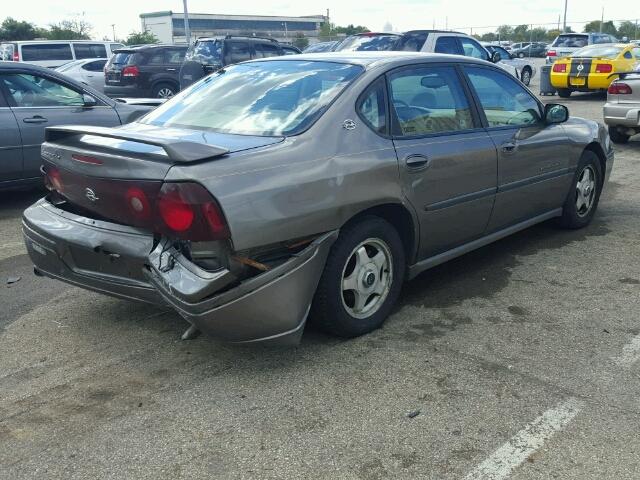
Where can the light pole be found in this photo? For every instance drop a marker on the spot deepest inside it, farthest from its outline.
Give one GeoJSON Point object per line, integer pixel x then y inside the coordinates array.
{"type": "Point", "coordinates": [286, 34]}
{"type": "Point", "coordinates": [564, 22]}
{"type": "Point", "coordinates": [113, 27]}
{"type": "Point", "coordinates": [187, 30]}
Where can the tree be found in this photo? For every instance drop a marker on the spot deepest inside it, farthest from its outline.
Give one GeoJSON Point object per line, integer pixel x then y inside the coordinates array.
{"type": "Point", "coordinates": [489, 37]}
{"type": "Point", "coordinates": [520, 33]}
{"type": "Point", "coordinates": [11, 29]}
{"type": "Point", "coordinates": [607, 27]}
{"type": "Point", "coordinates": [505, 32]}
{"type": "Point", "coordinates": [301, 41]}
{"type": "Point", "coordinates": [628, 29]}
{"type": "Point", "coordinates": [329, 30]}
{"type": "Point", "coordinates": [141, 38]}
{"type": "Point", "coordinates": [76, 29]}
{"type": "Point", "coordinates": [537, 34]}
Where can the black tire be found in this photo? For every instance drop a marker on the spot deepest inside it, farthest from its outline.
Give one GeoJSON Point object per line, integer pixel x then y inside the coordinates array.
{"type": "Point", "coordinates": [329, 310]}
{"type": "Point", "coordinates": [564, 92]}
{"type": "Point", "coordinates": [159, 90]}
{"type": "Point", "coordinates": [618, 137]}
{"type": "Point", "coordinates": [521, 55]}
{"type": "Point", "coordinates": [526, 79]}
{"type": "Point", "coordinates": [572, 217]}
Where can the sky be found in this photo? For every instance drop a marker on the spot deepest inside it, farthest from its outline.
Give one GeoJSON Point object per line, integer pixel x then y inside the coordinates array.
{"type": "Point", "coordinates": [374, 14]}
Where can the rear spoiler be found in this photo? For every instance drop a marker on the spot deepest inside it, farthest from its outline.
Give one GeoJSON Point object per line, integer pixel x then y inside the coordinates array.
{"type": "Point", "coordinates": [177, 150]}
{"type": "Point", "coordinates": [623, 75]}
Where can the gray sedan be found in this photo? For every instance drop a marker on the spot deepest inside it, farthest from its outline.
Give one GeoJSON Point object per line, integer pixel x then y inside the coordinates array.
{"type": "Point", "coordinates": [33, 98]}
{"type": "Point", "coordinates": [309, 187]}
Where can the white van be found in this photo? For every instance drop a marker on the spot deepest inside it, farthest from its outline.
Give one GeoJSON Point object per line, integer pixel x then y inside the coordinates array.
{"type": "Point", "coordinates": [53, 53]}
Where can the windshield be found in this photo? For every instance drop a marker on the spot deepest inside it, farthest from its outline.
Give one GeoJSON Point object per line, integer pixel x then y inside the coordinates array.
{"type": "Point", "coordinates": [207, 52]}
{"type": "Point", "coordinates": [571, 41]}
{"type": "Point", "coordinates": [603, 51]}
{"type": "Point", "coordinates": [361, 43]}
{"type": "Point", "coordinates": [262, 98]}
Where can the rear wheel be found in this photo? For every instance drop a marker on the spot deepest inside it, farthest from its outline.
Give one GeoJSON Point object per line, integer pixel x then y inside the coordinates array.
{"type": "Point", "coordinates": [164, 90]}
{"type": "Point", "coordinates": [526, 76]}
{"type": "Point", "coordinates": [582, 201]}
{"type": "Point", "coordinates": [564, 92]}
{"type": "Point", "coordinates": [520, 54]}
{"type": "Point", "coordinates": [361, 280]}
{"type": "Point", "coordinates": [616, 136]}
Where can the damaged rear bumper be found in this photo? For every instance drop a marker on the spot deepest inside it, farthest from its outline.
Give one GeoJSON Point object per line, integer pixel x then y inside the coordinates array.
{"type": "Point", "coordinates": [124, 262]}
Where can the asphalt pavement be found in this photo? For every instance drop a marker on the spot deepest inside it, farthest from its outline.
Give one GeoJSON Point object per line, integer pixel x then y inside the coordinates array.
{"type": "Point", "coordinates": [520, 360]}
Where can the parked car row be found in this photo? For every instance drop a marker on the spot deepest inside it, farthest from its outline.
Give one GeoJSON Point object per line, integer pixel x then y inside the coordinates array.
{"type": "Point", "coordinates": [54, 53]}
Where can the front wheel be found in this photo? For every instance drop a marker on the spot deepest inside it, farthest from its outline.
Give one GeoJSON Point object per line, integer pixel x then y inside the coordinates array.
{"type": "Point", "coordinates": [617, 137]}
{"type": "Point", "coordinates": [582, 200]}
{"type": "Point", "coordinates": [361, 280]}
{"type": "Point", "coordinates": [564, 92]}
{"type": "Point", "coordinates": [526, 76]}
{"type": "Point", "coordinates": [520, 55]}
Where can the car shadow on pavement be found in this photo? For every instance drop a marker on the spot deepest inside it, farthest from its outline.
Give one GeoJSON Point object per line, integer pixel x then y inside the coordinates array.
{"type": "Point", "coordinates": [12, 201]}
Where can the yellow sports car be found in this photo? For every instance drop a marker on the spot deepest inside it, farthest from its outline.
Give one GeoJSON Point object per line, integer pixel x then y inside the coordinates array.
{"type": "Point", "coordinates": [593, 68]}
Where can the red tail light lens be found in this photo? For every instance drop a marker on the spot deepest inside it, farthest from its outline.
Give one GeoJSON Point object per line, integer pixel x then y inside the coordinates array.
{"type": "Point", "coordinates": [604, 68]}
{"type": "Point", "coordinates": [617, 88]}
{"type": "Point", "coordinates": [138, 203]}
{"type": "Point", "coordinates": [16, 56]}
{"type": "Point", "coordinates": [552, 53]}
{"type": "Point", "coordinates": [130, 71]}
{"type": "Point", "coordinates": [560, 67]}
{"type": "Point", "coordinates": [188, 211]}
{"type": "Point", "coordinates": [52, 179]}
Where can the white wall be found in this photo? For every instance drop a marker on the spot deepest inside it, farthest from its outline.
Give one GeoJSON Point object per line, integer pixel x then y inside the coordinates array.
{"type": "Point", "coordinates": [161, 27]}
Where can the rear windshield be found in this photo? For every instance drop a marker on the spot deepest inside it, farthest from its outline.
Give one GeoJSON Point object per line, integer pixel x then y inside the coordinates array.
{"type": "Point", "coordinates": [602, 51]}
{"type": "Point", "coordinates": [207, 52]}
{"type": "Point", "coordinates": [571, 40]}
{"type": "Point", "coordinates": [123, 58]}
{"type": "Point", "coordinates": [46, 51]}
{"type": "Point", "coordinates": [411, 42]}
{"type": "Point", "coordinates": [261, 98]}
{"type": "Point", "coordinates": [362, 43]}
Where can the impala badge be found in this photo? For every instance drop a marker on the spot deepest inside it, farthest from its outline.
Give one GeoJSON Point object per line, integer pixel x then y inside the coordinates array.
{"type": "Point", "coordinates": [349, 124]}
{"type": "Point", "coordinates": [91, 195]}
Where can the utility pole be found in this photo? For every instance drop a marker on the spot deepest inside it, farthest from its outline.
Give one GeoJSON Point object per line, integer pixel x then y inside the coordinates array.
{"type": "Point", "coordinates": [446, 23]}
{"type": "Point", "coordinates": [187, 30]}
{"type": "Point", "coordinates": [286, 34]}
{"type": "Point", "coordinates": [329, 23]}
{"type": "Point", "coordinates": [602, 20]}
{"type": "Point", "coordinates": [564, 22]}
{"type": "Point", "coordinates": [113, 27]}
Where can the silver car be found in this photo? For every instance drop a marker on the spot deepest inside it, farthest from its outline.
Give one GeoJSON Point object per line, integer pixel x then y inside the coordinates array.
{"type": "Point", "coordinates": [622, 110]}
{"type": "Point", "coordinates": [525, 67]}
{"type": "Point", "coordinates": [309, 187]}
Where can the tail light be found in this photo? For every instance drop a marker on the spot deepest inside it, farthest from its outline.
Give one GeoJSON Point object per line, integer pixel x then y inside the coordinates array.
{"type": "Point", "coordinates": [604, 68]}
{"type": "Point", "coordinates": [130, 71]}
{"type": "Point", "coordinates": [617, 88]}
{"type": "Point", "coordinates": [52, 179]}
{"type": "Point", "coordinates": [188, 211]}
{"type": "Point", "coordinates": [560, 67]}
{"type": "Point", "coordinates": [16, 55]}
{"type": "Point", "coordinates": [552, 53]}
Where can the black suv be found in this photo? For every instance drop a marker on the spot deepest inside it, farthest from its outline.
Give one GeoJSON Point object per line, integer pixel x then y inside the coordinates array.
{"type": "Point", "coordinates": [144, 71]}
{"type": "Point", "coordinates": [209, 54]}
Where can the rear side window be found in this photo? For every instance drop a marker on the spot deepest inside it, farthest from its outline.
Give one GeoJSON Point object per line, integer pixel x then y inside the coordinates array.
{"type": "Point", "coordinates": [571, 41]}
{"type": "Point", "coordinates": [95, 66]}
{"type": "Point", "coordinates": [89, 50]}
{"type": "Point", "coordinates": [156, 57]}
{"type": "Point", "coordinates": [175, 56]}
{"type": "Point", "coordinates": [429, 100]}
{"type": "Point", "coordinates": [237, 52]}
{"type": "Point", "coordinates": [363, 43]}
{"type": "Point", "coordinates": [46, 51]}
{"type": "Point", "coordinates": [411, 42]}
{"type": "Point", "coordinates": [207, 52]}
{"type": "Point", "coordinates": [264, 50]}
{"type": "Point", "coordinates": [372, 107]}
{"type": "Point", "coordinates": [447, 45]}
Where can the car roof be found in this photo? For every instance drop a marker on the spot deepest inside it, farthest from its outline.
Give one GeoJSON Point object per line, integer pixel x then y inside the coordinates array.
{"type": "Point", "coordinates": [432, 31]}
{"type": "Point", "coordinates": [370, 59]}
{"type": "Point", "coordinates": [136, 48]}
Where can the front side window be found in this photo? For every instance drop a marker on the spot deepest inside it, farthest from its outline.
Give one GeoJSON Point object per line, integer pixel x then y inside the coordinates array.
{"type": "Point", "coordinates": [156, 57]}
{"type": "Point", "coordinates": [46, 51]}
{"type": "Point", "coordinates": [265, 50]}
{"type": "Point", "coordinates": [373, 107]}
{"type": "Point", "coordinates": [364, 43]}
{"type": "Point", "coordinates": [429, 100]}
{"type": "Point", "coordinates": [95, 66]}
{"type": "Point", "coordinates": [471, 48]}
{"type": "Point", "coordinates": [89, 50]}
{"type": "Point", "coordinates": [35, 91]}
{"type": "Point", "coordinates": [262, 98]}
{"type": "Point", "coordinates": [237, 52]}
{"type": "Point", "coordinates": [504, 102]}
{"type": "Point", "coordinates": [175, 56]}
{"type": "Point", "coordinates": [447, 45]}
{"type": "Point", "coordinates": [207, 52]}
{"type": "Point", "coordinates": [411, 42]}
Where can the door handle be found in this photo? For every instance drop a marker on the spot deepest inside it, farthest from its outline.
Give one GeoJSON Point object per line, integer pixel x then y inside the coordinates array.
{"type": "Point", "coordinates": [417, 162]}
{"type": "Point", "coordinates": [171, 69]}
{"type": "Point", "coordinates": [34, 119]}
{"type": "Point", "coordinates": [509, 147]}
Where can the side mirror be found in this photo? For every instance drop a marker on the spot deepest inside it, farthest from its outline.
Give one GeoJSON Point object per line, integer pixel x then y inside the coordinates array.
{"type": "Point", "coordinates": [495, 57]}
{"type": "Point", "coordinates": [88, 100]}
{"type": "Point", "coordinates": [555, 113]}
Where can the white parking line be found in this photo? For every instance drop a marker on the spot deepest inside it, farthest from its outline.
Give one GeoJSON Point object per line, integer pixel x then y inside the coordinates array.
{"type": "Point", "coordinates": [510, 455]}
{"type": "Point", "coordinates": [12, 249]}
{"type": "Point", "coordinates": [630, 353]}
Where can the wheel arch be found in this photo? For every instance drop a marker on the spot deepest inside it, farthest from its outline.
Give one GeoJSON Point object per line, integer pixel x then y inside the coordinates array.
{"type": "Point", "coordinates": [161, 80]}
{"type": "Point", "coordinates": [402, 219]}
{"type": "Point", "coordinates": [596, 148]}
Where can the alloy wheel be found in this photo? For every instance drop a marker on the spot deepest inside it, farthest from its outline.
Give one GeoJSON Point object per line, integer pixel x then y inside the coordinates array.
{"type": "Point", "coordinates": [526, 77]}
{"type": "Point", "coordinates": [165, 93]}
{"type": "Point", "coordinates": [367, 277]}
{"type": "Point", "coordinates": [585, 191]}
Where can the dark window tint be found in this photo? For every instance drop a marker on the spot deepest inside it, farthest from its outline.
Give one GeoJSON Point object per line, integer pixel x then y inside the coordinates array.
{"type": "Point", "coordinates": [36, 91]}
{"type": "Point", "coordinates": [96, 66]}
{"type": "Point", "coordinates": [264, 50]}
{"type": "Point", "coordinates": [411, 42]}
{"type": "Point", "coordinates": [471, 48]}
{"type": "Point", "coordinates": [363, 43]}
{"type": "Point", "coordinates": [175, 55]}
{"type": "Point", "coordinates": [373, 107]}
{"type": "Point", "coordinates": [156, 57]}
{"type": "Point", "coordinates": [89, 50]}
{"type": "Point", "coordinates": [46, 51]}
{"type": "Point", "coordinates": [207, 52]}
{"type": "Point", "coordinates": [429, 100]}
{"type": "Point", "coordinates": [571, 41]}
{"type": "Point", "coordinates": [504, 101]}
{"type": "Point", "coordinates": [504, 55]}
{"type": "Point", "coordinates": [447, 45]}
{"type": "Point", "coordinates": [237, 52]}
{"type": "Point", "coordinates": [123, 58]}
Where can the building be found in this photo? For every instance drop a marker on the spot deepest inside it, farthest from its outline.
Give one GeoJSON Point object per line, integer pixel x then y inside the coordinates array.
{"type": "Point", "coordinates": [169, 26]}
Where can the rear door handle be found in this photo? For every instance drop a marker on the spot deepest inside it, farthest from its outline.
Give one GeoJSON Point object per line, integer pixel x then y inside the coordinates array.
{"type": "Point", "coordinates": [34, 119]}
{"type": "Point", "coordinates": [509, 147]}
{"type": "Point", "coordinates": [171, 69]}
{"type": "Point", "coordinates": [417, 162]}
